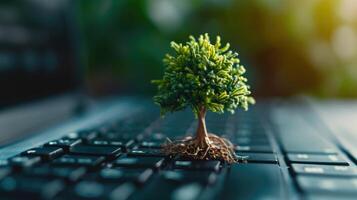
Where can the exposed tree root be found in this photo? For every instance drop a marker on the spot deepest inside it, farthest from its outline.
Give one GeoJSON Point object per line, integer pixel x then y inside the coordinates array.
{"type": "Point", "coordinates": [211, 147]}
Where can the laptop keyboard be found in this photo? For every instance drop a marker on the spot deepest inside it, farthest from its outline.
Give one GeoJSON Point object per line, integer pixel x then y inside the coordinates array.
{"type": "Point", "coordinates": [123, 160]}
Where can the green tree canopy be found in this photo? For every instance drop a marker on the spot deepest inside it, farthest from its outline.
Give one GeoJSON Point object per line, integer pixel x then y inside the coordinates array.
{"type": "Point", "coordinates": [202, 75]}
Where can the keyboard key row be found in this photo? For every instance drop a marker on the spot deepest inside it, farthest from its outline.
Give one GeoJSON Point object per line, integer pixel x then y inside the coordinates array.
{"type": "Point", "coordinates": [68, 144]}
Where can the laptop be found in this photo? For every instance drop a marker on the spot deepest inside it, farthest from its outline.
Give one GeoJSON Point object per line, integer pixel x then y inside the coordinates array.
{"type": "Point", "coordinates": [56, 145]}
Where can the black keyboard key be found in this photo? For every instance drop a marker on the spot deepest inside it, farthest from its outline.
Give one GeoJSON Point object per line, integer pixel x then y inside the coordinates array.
{"type": "Point", "coordinates": [115, 174]}
{"type": "Point", "coordinates": [66, 144]}
{"type": "Point", "coordinates": [179, 192]}
{"type": "Point", "coordinates": [122, 192]}
{"type": "Point", "coordinates": [315, 147]}
{"type": "Point", "coordinates": [298, 136]}
{"type": "Point", "coordinates": [146, 152]}
{"type": "Point", "coordinates": [184, 176]}
{"type": "Point", "coordinates": [151, 144]}
{"type": "Point", "coordinates": [20, 187]}
{"type": "Point", "coordinates": [24, 161]}
{"type": "Point", "coordinates": [4, 163]}
{"type": "Point", "coordinates": [309, 169]}
{"type": "Point", "coordinates": [331, 159]}
{"type": "Point", "coordinates": [64, 172]}
{"type": "Point", "coordinates": [120, 174]}
{"type": "Point", "coordinates": [328, 196]}
{"type": "Point", "coordinates": [156, 137]}
{"type": "Point", "coordinates": [259, 157]}
{"type": "Point", "coordinates": [100, 142]}
{"type": "Point", "coordinates": [4, 171]}
{"type": "Point", "coordinates": [120, 136]}
{"type": "Point", "coordinates": [104, 129]}
{"type": "Point", "coordinates": [105, 142]}
{"type": "Point", "coordinates": [145, 176]}
{"type": "Point", "coordinates": [253, 181]}
{"type": "Point", "coordinates": [327, 185]}
{"type": "Point", "coordinates": [108, 151]}
{"type": "Point", "coordinates": [47, 153]}
{"type": "Point", "coordinates": [79, 160]}
{"type": "Point", "coordinates": [251, 133]}
{"type": "Point", "coordinates": [84, 135]}
{"type": "Point", "coordinates": [243, 141]}
{"type": "Point", "coordinates": [97, 190]}
{"type": "Point", "coordinates": [177, 184]}
{"type": "Point", "coordinates": [89, 190]}
{"type": "Point", "coordinates": [210, 165]}
{"type": "Point", "coordinates": [139, 162]}
{"type": "Point", "coordinates": [254, 148]}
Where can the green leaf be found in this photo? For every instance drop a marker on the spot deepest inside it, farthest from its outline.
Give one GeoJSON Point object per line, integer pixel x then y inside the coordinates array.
{"type": "Point", "coordinates": [199, 73]}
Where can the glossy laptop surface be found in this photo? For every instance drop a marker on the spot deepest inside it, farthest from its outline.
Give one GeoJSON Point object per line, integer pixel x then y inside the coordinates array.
{"type": "Point", "coordinates": [287, 148]}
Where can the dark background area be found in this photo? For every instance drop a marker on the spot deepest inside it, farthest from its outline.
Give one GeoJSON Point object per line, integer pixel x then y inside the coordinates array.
{"type": "Point", "coordinates": [37, 54]}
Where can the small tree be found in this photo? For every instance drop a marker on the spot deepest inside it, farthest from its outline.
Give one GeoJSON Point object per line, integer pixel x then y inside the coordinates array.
{"type": "Point", "coordinates": [204, 77]}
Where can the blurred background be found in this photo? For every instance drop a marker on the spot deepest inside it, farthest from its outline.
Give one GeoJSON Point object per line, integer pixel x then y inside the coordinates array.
{"type": "Point", "coordinates": [289, 47]}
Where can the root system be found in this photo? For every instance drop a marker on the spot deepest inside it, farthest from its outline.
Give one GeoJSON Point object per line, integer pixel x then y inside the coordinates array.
{"type": "Point", "coordinates": [211, 147]}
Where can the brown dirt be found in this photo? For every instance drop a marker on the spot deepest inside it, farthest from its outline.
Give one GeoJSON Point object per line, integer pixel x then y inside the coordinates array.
{"type": "Point", "coordinates": [212, 148]}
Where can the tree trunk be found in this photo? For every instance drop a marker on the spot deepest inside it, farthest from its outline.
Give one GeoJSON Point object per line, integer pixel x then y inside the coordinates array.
{"type": "Point", "coordinates": [201, 133]}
